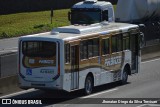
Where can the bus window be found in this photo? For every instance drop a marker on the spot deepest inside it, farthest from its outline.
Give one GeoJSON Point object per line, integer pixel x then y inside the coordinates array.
{"type": "Point", "coordinates": [96, 47]}
{"type": "Point", "coordinates": [116, 43]}
{"type": "Point", "coordinates": [105, 46]}
{"type": "Point", "coordinates": [84, 50]}
{"type": "Point", "coordinates": [67, 53]}
{"type": "Point", "coordinates": [39, 49]}
{"type": "Point", "coordinates": [119, 42]}
{"type": "Point", "coordinates": [126, 41]}
{"type": "Point", "coordinates": [89, 48]}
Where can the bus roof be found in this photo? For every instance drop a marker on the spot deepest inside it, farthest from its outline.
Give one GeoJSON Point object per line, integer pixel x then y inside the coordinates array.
{"type": "Point", "coordinates": [103, 5]}
{"type": "Point", "coordinates": [73, 32]}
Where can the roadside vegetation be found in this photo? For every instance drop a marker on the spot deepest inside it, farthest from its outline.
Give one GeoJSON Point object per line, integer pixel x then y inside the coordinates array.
{"type": "Point", "coordinates": [19, 24]}
{"type": "Point", "coordinates": [14, 25]}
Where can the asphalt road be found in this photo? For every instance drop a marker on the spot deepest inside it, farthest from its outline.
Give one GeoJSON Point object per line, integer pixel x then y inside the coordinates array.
{"type": "Point", "coordinates": [145, 84]}
{"type": "Point", "coordinates": [8, 44]}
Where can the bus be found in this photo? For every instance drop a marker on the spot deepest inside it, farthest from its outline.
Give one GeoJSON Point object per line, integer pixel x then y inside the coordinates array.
{"type": "Point", "coordinates": [77, 57]}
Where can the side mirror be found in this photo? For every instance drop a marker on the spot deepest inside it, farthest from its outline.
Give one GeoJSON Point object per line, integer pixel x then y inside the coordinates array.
{"type": "Point", "coordinates": [105, 15]}
{"type": "Point", "coordinates": [69, 16]}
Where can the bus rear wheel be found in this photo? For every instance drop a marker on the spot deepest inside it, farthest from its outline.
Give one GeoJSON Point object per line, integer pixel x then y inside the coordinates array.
{"type": "Point", "coordinates": [124, 76]}
{"type": "Point", "coordinates": [88, 85]}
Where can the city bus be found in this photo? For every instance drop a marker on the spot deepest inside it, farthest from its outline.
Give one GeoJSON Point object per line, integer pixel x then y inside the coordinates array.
{"type": "Point", "coordinates": [77, 57]}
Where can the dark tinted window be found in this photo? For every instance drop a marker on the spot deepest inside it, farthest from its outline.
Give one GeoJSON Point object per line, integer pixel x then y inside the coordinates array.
{"type": "Point", "coordinates": [39, 49]}
{"type": "Point", "coordinates": [89, 48]}
{"type": "Point", "coordinates": [84, 50]}
{"type": "Point", "coordinates": [67, 53]}
{"type": "Point", "coordinates": [114, 44]}
{"type": "Point", "coordinates": [85, 16]}
{"type": "Point", "coordinates": [117, 43]}
{"type": "Point", "coordinates": [126, 41]}
{"type": "Point", "coordinates": [105, 46]}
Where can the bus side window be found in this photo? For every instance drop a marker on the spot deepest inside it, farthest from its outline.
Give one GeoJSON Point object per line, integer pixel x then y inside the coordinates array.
{"type": "Point", "coordinates": [126, 41]}
{"type": "Point", "coordinates": [90, 48]}
{"type": "Point", "coordinates": [119, 42]}
{"type": "Point", "coordinates": [116, 43]}
{"type": "Point", "coordinates": [93, 47]}
{"type": "Point", "coordinates": [96, 47]}
{"type": "Point", "coordinates": [105, 46]}
{"type": "Point", "coordinates": [84, 50]}
{"type": "Point", "coordinates": [67, 53]}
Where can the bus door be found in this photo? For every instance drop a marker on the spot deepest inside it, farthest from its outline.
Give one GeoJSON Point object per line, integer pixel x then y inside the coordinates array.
{"type": "Point", "coordinates": [74, 67]}
{"type": "Point", "coordinates": [135, 52]}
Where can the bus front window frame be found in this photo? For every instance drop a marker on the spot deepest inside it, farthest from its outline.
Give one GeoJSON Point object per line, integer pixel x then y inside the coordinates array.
{"type": "Point", "coordinates": [86, 16]}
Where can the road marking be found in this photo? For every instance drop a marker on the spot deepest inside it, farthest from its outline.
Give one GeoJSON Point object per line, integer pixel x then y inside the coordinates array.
{"type": "Point", "coordinates": [18, 93]}
{"type": "Point", "coordinates": [9, 51]}
{"type": "Point", "coordinates": [151, 105]}
{"type": "Point", "coordinates": [5, 49]}
{"type": "Point", "coordinates": [150, 61]}
{"type": "Point", "coordinates": [100, 93]}
{"type": "Point", "coordinates": [8, 48]}
{"type": "Point", "coordinates": [141, 105]}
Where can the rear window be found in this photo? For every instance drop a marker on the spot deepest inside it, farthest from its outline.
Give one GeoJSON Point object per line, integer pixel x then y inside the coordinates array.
{"type": "Point", "coordinates": [39, 49]}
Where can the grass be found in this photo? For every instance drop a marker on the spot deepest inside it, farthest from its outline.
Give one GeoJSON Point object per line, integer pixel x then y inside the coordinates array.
{"type": "Point", "coordinates": [19, 24]}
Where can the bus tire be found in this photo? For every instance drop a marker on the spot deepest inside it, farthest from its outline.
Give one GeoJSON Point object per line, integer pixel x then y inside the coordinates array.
{"type": "Point", "coordinates": [124, 76]}
{"type": "Point", "coordinates": [88, 85]}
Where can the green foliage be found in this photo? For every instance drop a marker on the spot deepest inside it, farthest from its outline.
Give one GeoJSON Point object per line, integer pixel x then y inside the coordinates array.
{"type": "Point", "coordinates": [19, 24]}
{"type": "Point", "coordinates": [114, 6]}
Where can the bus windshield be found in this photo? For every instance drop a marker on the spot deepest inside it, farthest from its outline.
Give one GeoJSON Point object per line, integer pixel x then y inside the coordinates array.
{"type": "Point", "coordinates": [39, 49]}
{"type": "Point", "coordinates": [85, 16]}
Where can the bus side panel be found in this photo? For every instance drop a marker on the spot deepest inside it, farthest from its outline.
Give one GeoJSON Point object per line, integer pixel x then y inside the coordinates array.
{"type": "Point", "coordinates": [106, 75]}
{"type": "Point", "coordinates": [83, 71]}
{"type": "Point", "coordinates": [126, 59]}
{"type": "Point", "coordinates": [67, 81]}
{"type": "Point", "coordinates": [111, 67]}
{"type": "Point", "coordinates": [116, 64]}
{"type": "Point", "coordinates": [95, 67]}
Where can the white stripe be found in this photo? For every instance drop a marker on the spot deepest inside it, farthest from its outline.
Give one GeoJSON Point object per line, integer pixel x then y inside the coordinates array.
{"type": "Point", "coordinates": [100, 93]}
{"type": "Point", "coordinates": [141, 105]}
{"type": "Point", "coordinates": [9, 51]}
{"type": "Point", "coordinates": [154, 105]}
{"type": "Point", "coordinates": [18, 93]}
{"type": "Point", "coordinates": [151, 105]}
{"type": "Point", "coordinates": [150, 61]}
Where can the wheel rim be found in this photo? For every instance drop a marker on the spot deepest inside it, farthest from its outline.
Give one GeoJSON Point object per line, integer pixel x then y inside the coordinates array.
{"type": "Point", "coordinates": [88, 86]}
